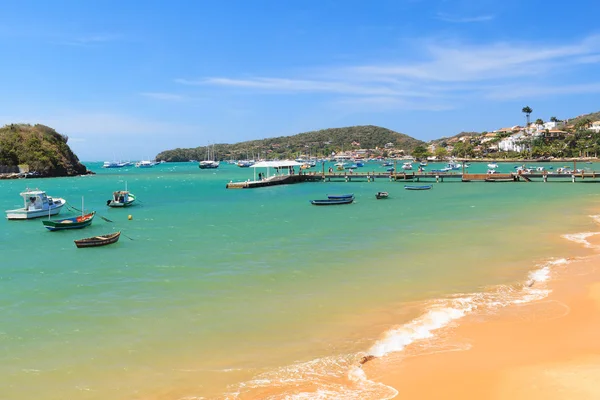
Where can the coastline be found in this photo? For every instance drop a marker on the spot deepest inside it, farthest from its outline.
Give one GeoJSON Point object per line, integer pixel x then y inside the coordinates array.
{"type": "Point", "coordinates": [545, 349]}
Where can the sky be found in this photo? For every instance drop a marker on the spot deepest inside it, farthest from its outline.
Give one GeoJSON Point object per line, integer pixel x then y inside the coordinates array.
{"type": "Point", "coordinates": [126, 80]}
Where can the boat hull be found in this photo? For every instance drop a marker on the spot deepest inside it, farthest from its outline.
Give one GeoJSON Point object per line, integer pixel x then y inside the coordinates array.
{"type": "Point", "coordinates": [381, 195]}
{"type": "Point", "coordinates": [23, 213]}
{"type": "Point", "coordinates": [97, 241]}
{"type": "Point", "coordinates": [69, 223]}
{"type": "Point", "coordinates": [425, 187]}
{"type": "Point", "coordinates": [332, 202]}
{"type": "Point", "coordinates": [340, 196]}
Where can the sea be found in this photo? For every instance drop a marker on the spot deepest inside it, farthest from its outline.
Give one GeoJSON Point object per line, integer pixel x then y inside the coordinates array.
{"type": "Point", "coordinates": [215, 293]}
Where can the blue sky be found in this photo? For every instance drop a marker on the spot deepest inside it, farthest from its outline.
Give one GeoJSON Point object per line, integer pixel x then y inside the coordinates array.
{"type": "Point", "coordinates": [128, 79]}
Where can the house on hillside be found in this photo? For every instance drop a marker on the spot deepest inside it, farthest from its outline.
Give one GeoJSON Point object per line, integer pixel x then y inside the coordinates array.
{"type": "Point", "coordinates": [555, 134]}
{"type": "Point", "coordinates": [553, 125]}
{"type": "Point", "coordinates": [514, 142]}
{"type": "Point", "coordinates": [489, 137]}
{"type": "Point", "coordinates": [595, 126]}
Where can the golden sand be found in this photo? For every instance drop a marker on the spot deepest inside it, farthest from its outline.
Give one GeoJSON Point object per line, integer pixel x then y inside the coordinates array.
{"type": "Point", "coordinates": [549, 349]}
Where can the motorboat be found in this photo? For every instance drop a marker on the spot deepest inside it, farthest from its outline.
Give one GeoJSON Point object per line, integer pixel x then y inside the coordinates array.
{"type": "Point", "coordinates": [36, 204]}
{"type": "Point", "coordinates": [381, 195]}
{"type": "Point", "coordinates": [121, 198]}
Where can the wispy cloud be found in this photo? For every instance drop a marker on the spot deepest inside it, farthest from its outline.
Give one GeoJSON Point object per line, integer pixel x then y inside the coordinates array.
{"type": "Point", "coordinates": [446, 71]}
{"type": "Point", "coordinates": [529, 91]}
{"type": "Point", "coordinates": [463, 20]}
{"type": "Point", "coordinates": [163, 96]}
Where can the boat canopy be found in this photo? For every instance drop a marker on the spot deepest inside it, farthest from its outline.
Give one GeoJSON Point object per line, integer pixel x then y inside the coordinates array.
{"type": "Point", "coordinates": [276, 164]}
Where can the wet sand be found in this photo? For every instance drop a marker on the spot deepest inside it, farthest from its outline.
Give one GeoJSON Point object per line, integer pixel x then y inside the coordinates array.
{"type": "Point", "coordinates": [547, 349]}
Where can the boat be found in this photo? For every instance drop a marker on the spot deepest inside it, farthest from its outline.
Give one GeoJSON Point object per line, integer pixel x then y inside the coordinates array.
{"type": "Point", "coordinates": [145, 164]}
{"type": "Point", "coordinates": [121, 198]}
{"type": "Point", "coordinates": [332, 202]}
{"type": "Point", "coordinates": [78, 222]}
{"type": "Point", "coordinates": [416, 187]}
{"type": "Point", "coordinates": [492, 166]}
{"type": "Point", "coordinates": [114, 164]}
{"type": "Point", "coordinates": [340, 196]}
{"type": "Point", "coordinates": [96, 241]}
{"type": "Point", "coordinates": [36, 204]}
{"type": "Point", "coordinates": [407, 165]}
{"type": "Point", "coordinates": [381, 195]}
{"type": "Point", "coordinates": [209, 162]}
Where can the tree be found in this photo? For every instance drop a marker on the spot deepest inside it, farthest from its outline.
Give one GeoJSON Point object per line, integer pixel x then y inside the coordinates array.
{"type": "Point", "coordinates": [539, 121]}
{"type": "Point", "coordinates": [420, 152]}
{"type": "Point", "coordinates": [554, 119]}
{"type": "Point", "coordinates": [441, 152]}
{"type": "Point", "coordinates": [527, 110]}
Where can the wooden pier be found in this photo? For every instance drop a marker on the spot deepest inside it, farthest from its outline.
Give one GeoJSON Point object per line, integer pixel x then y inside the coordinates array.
{"type": "Point", "coordinates": [412, 177]}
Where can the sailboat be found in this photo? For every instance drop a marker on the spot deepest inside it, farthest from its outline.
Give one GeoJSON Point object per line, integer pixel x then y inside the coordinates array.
{"type": "Point", "coordinates": [209, 163]}
{"type": "Point", "coordinates": [70, 223]}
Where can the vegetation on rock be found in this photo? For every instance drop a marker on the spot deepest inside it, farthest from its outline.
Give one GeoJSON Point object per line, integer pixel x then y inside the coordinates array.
{"type": "Point", "coordinates": [316, 143]}
{"type": "Point", "coordinates": [41, 148]}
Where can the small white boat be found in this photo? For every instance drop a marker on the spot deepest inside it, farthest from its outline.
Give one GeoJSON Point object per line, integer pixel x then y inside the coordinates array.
{"type": "Point", "coordinates": [492, 166]}
{"type": "Point", "coordinates": [36, 204]}
{"type": "Point", "coordinates": [144, 164]}
{"type": "Point", "coordinates": [121, 198]}
{"type": "Point", "coordinates": [407, 165]}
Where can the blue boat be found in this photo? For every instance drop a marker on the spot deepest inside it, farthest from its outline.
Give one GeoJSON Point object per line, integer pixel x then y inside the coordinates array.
{"type": "Point", "coordinates": [340, 196]}
{"type": "Point", "coordinates": [332, 202]}
{"type": "Point", "coordinates": [415, 187]}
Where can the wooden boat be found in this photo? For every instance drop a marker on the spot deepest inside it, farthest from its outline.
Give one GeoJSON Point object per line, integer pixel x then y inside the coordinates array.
{"type": "Point", "coordinates": [36, 204]}
{"type": "Point", "coordinates": [78, 222]}
{"type": "Point", "coordinates": [96, 241]}
{"type": "Point", "coordinates": [381, 195]}
{"type": "Point", "coordinates": [121, 198]}
{"type": "Point", "coordinates": [416, 187]}
{"type": "Point", "coordinates": [332, 202]}
{"type": "Point", "coordinates": [340, 196]}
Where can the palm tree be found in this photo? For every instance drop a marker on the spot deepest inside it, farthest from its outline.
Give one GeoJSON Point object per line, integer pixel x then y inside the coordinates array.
{"type": "Point", "coordinates": [527, 110]}
{"type": "Point", "coordinates": [539, 121]}
{"type": "Point", "coordinates": [554, 119]}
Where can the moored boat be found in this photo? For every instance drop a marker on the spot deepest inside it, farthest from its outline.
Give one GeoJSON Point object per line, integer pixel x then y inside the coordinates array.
{"type": "Point", "coordinates": [340, 196]}
{"type": "Point", "coordinates": [96, 241]}
{"type": "Point", "coordinates": [78, 222]}
{"type": "Point", "coordinates": [36, 204]}
{"type": "Point", "coordinates": [121, 198]}
{"type": "Point", "coordinates": [417, 187]}
{"type": "Point", "coordinates": [332, 202]}
{"type": "Point", "coordinates": [381, 195]}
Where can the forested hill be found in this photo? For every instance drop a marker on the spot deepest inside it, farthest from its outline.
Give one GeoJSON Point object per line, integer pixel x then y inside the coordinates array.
{"type": "Point", "coordinates": [41, 148]}
{"type": "Point", "coordinates": [316, 143]}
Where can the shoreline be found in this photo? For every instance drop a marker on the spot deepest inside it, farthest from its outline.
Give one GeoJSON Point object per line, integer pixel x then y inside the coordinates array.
{"type": "Point", "coordinates": [545, 349]}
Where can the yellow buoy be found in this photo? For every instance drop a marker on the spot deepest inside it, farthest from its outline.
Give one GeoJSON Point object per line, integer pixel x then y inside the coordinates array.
{"type": "Point", "coordinates": [129, 217]}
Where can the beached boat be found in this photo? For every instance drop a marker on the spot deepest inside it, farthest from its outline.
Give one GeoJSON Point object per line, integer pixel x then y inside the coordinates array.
{"type": "Point", "coordinates": [381, 195]}
{"type": "Point", "coordinates": [340, 196]}
{"type": "Point", "coordinates": [332, 202]}
{"type": "Point", "coordinates": [78, 222]}
{"type": "Point", "coordinates": [36, 204]}
{"type": "Point", "coordinates": [416, 187]}
{"type": "Point", "coordinates": [96, 241]}
{"type": "Point", "coordinates": [121, 198]}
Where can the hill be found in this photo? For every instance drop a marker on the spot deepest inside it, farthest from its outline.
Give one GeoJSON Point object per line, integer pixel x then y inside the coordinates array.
{"type": "Point", "coordinates": [41, 148]}
{"type": "Point", "coordinates": [316, 143]}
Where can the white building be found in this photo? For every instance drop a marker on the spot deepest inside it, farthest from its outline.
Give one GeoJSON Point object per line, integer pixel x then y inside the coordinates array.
{"type": "Point", "coordinates": [595, 126]}
{"type": "Point", "coordinates": [515, 142]}
{"type": "Point", "coordinates": [553, 125]}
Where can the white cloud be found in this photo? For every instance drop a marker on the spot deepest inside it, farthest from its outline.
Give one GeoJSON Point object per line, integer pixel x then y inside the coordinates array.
{"type": "Point", "coordinates": [527, 91]}
{"type": "Point", "coordinates": [445, 72]}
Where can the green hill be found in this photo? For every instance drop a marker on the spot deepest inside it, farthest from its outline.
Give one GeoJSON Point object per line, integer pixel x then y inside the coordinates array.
{"type": "Point", "coordinates": [41, 148]}
{"type": "Point", "coordinates": [316, 143]}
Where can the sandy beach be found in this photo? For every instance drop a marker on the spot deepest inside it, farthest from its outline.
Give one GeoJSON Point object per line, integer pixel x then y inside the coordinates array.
{"type": "Point", "coordinates": [547, 349]}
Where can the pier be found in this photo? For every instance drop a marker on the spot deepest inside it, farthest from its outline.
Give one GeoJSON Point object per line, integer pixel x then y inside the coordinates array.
{"type": "Point", "coordinates": [437, 177]}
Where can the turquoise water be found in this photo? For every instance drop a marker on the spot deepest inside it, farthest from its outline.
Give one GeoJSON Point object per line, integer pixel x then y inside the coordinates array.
{"type": "Point", "coordinates": [210, 287]}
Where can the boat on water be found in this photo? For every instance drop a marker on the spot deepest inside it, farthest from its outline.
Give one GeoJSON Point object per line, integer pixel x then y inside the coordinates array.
{"type": "Point", "coordinates": [492, 166]}
{"type": "Point", "coordinates": [78, 222]}
{"type": "Point", "coordinates": [121, 198]}
{"type": "Point", "coordinates": [208, 164]}
{"type": "Point", "coordinates": [145, 164]}
{"type": "Point", "coordinates": [381, 195]}
{"type": "Point", "coordinates": [114, 164]}
{"type": "Point", "coordinates": [36, 204]}
{"type": "Point", "coordinates": [332, 202]}
{"type": "Point", "coordinates": [417, 187]}
{"type": "Point", "coordinates": [407, 165]}
{"type": "Point", "coordinates": [340, 196]}
{"type": "Point", "coordinates": [96, 241]}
